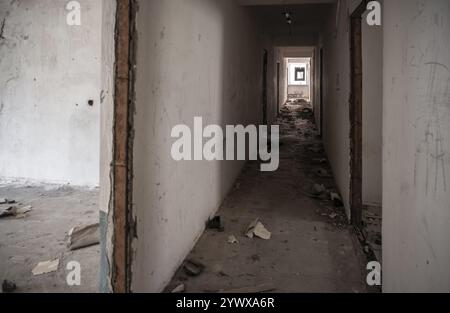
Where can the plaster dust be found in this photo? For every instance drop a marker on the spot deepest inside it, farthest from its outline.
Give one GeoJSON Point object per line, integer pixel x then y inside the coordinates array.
{"type": "Point", "coordinates": [312, 247]}
{"type": "Point", "coordinates": [41, 236]}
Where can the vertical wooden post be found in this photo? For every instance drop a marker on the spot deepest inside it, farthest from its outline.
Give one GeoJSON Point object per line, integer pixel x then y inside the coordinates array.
{"type": "Point", "coordinates": [120, 162]}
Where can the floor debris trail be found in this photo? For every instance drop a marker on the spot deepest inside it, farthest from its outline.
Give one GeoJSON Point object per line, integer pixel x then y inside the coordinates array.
{"type": "Point", "coordinates": [33, 237]}
{"type": "Point", "coordinates": [312, 247]}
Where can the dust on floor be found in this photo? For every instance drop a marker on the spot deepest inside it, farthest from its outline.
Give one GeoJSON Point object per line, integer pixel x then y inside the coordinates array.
{"type": "Point", "coordinates": [312, 247]}
{"type": "Point", "coordinates": [42, 236]}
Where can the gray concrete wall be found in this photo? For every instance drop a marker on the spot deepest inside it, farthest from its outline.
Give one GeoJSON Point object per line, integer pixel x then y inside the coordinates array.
{"type": "Point", "coordinates": [372, 43]}
{"type": "Point", "coordinates": [49, 72]}
{"type": "Point", "coordinates": [210, 53]}
{"type": "Point", "coordinates": [336, 97]}
{"type": "Point", "coordinates": [106, 139]}
{"type": "Point", "coordinates": [416, 135]}
{"type": "Point", "coordinates": [335, 41]}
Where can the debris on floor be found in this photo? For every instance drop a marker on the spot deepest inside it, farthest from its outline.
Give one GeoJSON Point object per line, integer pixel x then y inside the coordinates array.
{"type": "Point", "coordinates": [321, 172]}
{"type": "Point", "coordinates": [372, 231]}
{"type": "Point", "coordinates": [84, 236]}
{"type": "Point", "coordinates": [316, 191]}
{"type": "Point", "coordinates": [7, 201]}
{"type": "Point", "coordinates": [232, 240]}
{"type": "Point", "coordinates": [193, 268]}
{"type": "Point", "coordinates": [336, 198]}
{"type": "Point", "coordinates": [179, 289]}
{"type": "Point", "coordinates": [8, 286]}
{"type": "Point", "coordinates": [215, 223]}
{"type": "Point", "coordinates": [256, 228]}
{"type": "Point", "coordinates": [46, 267]}
{"type": "Point", "coordinates": [14, 211]}
{"type": "Point", "coordinates": [253, 289]}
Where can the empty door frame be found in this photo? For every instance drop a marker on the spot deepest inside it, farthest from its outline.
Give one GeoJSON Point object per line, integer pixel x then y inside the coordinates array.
{"type": "Point", "coordinates": [122, 166]}
{"type": "Point", "coordinates": [356, 114]}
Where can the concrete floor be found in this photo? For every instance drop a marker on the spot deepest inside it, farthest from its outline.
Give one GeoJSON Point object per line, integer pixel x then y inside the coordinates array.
{"type": "Point", "coordinates": [312, 248]}
{"type": "Point", "coordinates": [42, 236]}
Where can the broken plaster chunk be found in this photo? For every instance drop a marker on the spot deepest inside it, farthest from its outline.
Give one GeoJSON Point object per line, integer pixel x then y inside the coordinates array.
{"type": "Point", "coordinates": [46, 267]}
{"type": "Point", "coordinates": [336, 199]}
{"type": "Point", "coordinates": [84, 236]}
{"type": "Point", "coordinates": [193, 268]}
{"type": "Point", "coordinates": [15, 211]}
{"type": "Point", "coordinates": [256, 228]}
{"type": "Point", "coordinates": [9, 211]}
{"type": "Point", "coordinates": [179, 289]}
{"type": "Point", "coordinates": [232, 240]}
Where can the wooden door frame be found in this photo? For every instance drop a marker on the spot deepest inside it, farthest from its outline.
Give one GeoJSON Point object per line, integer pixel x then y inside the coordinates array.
{"type": "Point", "coordinates": [122, 164]}
{"type": "Point", "coordinates": [356, 129]}
{"type": "Point", "coordinates": [265, 80]}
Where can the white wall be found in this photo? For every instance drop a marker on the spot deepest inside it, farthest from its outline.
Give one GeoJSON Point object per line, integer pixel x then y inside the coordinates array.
{"type": "Point", "coordinates": [48, 73]}
{"type": "Point", "coordinates": [372, 107]}
{"type": "Point", "coordinates": [336, 90]}
{"type": "Point", "coordinates": [195, 58]}
{"type": "Point", "coordinates": [416, 134]}
{"type": "Point", "coordinates": [336, 45]}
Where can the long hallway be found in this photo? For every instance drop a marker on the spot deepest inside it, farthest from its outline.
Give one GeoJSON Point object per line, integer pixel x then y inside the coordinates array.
{"type": "Point", "coordinates": [312, 247]}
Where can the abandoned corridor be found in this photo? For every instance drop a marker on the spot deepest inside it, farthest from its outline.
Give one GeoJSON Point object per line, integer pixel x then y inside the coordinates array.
{"type": "Point", "coordinates": [312, 247]}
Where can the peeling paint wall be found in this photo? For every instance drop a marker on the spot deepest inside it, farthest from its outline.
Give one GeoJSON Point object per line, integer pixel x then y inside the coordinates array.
{"type": "Point", "coordinates": [49, 71]}
{"type": "Point", "coordinates": [416, 135]}
{"type": "Point", "coordinates": [195, 58]}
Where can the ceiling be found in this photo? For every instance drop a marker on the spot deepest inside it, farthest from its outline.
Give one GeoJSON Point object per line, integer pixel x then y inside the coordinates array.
{"type": "Point", "coordinates": [306, 17]}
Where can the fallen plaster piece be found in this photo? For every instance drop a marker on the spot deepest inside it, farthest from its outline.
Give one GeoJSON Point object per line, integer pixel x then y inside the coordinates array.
{"type": "Point", "coordinates": [9, 211]}
{"type": "Point", "coordinates": [256, 228]}
{"type": "Point", "coordinates": [7, 201]}
{"type": "Point", "coordinates": [46, 267]}
{"type": "Point", "coordinates": [15, 211]}
{"type": "Point", "coordinates": [232, 240]}
{"type": "Point", "coordinates": [336, 199]}
{"type": "Point", "coordinates": [179, 289]}
{"type": "Point", "coordinates": [193, 268]}
{"type": "Point", "coordinates": [84, 236]}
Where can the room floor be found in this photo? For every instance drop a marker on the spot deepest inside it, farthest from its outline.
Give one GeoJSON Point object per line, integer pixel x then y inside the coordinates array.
{"type": "Point", "coordinates": [312, 247]}
{"type": "Point", "coordinates": [41, 235]}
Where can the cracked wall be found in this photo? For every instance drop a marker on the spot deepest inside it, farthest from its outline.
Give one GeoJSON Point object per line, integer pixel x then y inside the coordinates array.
{"type": "Point", "coordinates": [205, 51]}
{"type": "Point", "coordinates": [50, 73]}
{"type": "Point", "coordinates": [416, 160]}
